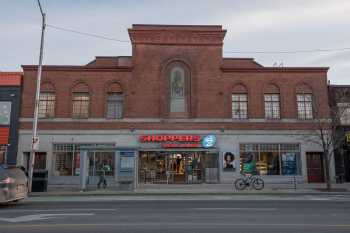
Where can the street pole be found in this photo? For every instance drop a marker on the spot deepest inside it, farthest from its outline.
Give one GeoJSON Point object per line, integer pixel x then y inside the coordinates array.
{"type": "Point", "coordinates": [35, 139]}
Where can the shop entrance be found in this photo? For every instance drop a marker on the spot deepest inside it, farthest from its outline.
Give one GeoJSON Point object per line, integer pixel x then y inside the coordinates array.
{"type": "Point", "coordinates": [101, 167]}
{"type": "Point", "coordinates": [315, 170]}
{"type": "Point", "coordinates": [177, 167]}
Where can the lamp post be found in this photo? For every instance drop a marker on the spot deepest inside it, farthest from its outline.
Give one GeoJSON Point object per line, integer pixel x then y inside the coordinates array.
{"type": "Point", "coordinates": [35, 138]}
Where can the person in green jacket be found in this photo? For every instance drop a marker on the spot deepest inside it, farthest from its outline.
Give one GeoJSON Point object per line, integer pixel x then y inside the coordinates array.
{"type": "Point", "coordinates": [102, 175]}
{"type": "Point", "coordinates": [249, 164]}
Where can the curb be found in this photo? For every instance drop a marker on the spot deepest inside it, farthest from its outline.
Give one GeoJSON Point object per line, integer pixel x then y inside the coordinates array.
{"type": "Point", "coordinates": [87, 194]}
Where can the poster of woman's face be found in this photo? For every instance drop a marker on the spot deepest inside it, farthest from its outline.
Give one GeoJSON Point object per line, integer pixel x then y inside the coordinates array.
{"type": "Point", "coordinates": [229, 162]}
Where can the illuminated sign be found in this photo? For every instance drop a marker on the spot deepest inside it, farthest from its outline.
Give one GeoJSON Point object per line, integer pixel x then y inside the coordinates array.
{"type": "Point", "coordinates": [209, 141]}
{"type": "Point", "coordinates": [180, 141]}
{"type": "Point", "coordinates": [347, 137]}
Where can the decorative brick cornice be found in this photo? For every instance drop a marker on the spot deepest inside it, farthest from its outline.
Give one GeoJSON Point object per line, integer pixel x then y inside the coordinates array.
{"type": "Point", "coordinates": [277, 69]}
{"type": "Point", "coordinates": [78, 68]}
{"type": "Point", "coordinates": [177, 35]}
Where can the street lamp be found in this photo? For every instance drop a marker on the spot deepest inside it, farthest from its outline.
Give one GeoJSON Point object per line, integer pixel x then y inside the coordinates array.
{"type": "Point", "coordinates": [35, 138]}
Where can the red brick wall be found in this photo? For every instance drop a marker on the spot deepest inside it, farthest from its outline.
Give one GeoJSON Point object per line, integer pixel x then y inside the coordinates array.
{"type": "Point", "coordinates": [145, 89]}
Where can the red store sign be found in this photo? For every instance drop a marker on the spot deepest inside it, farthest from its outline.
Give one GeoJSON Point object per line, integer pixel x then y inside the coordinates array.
{"type": "Point", "coordinates": [173, 141]}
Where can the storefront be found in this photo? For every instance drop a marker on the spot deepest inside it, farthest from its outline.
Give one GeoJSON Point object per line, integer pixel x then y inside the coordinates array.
{"type": "Point", "coordinates": [10, 97]}
{"type": "Point", "coordinates": [178, 159]}
{"type": "Point", "coordinates": [270, 159]}
{"type": "Point", "coordinates": [147, 157]}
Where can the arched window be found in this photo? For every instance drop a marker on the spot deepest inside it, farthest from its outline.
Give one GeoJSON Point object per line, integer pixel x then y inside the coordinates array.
{"type": "Point", "coordinates": [272, 102]}
{"type": "Point", "coordinates": [80, 101]}
{"type": "Point", "coordinates": [239, 102]}
{"type": "Point", "coordinates": [115, 101]}
{"type": "Point", "coordinates": [177, 90]}
{"type": "Point", "coordinates": [47, 101]}
{"type": "Point", "coordinates": [304, 102]}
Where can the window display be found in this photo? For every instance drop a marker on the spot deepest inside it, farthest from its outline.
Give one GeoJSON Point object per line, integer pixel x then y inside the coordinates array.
{"type": "Point", "coordinates": [67, 159]}
{"type": "Point", "coordinates": [177, 167]}
{"type": "Point", "coordinates": [66, 164]}
{"type": "Point", "coordinates": [270, 159]}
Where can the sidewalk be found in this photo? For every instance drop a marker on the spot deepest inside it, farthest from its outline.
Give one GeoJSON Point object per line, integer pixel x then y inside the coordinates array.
{"type": "Point", "coordinates": [200, 189]}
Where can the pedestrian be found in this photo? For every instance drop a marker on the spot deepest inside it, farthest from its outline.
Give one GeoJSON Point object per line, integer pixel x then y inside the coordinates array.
{"type": "Point", "coordinates": [102, 175]}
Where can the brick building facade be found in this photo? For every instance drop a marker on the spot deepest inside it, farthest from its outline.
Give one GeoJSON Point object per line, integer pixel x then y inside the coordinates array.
{"type": "Point", "coordinates": [176, 83]}
{"type": "Point", "coordinates": [339, 98]}
{"type": "Point", "coordinates": [10, 97]}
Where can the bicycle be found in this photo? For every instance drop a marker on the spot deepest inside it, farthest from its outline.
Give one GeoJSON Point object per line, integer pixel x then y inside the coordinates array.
{"type": "Point", "coordinates": [249, 180]}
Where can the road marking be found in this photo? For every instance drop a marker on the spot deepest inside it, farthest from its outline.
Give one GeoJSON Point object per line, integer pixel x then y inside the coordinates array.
{"type": "Point", "coordinates": [249, 209]}
{"type": "Point", "coordinates": [182, 224]}
{"type": "Point", "coordinates": [57, 210]}
{"type": "Point", "coordinates": [37, 217]}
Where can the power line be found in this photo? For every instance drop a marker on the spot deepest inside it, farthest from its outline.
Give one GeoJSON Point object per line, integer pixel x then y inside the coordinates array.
{"type": "Point", "coordinates": [86, 34]}
{"type": "Point", "coordinates": [292, 51]}
{"type": "Point", "coordinates": [232, 52]}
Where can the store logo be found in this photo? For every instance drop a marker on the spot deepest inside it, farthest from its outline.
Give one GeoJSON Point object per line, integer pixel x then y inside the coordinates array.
{"type": "Point", "coordinates": [209, 141]}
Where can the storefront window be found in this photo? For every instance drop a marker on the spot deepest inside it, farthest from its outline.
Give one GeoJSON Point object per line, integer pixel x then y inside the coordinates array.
{"type": "Point", "coordinates": [67, 159]}
{"type": "Point", "coordinates": [66, 164]}
{"type": "Point", "coordinates": [101, 163]}
{"type": "Point", "coordinates": [178, 167]}
{"type": "Point", "coordinates": [270, 159]}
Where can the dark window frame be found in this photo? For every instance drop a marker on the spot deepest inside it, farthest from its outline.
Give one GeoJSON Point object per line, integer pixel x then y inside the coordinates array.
{"type": "Point", "coordinates": [115, 100]}
{"type": "Point", "coordinates": [242, 114]}
{"type": "Point", "coordinates": [80, 103]}
{"type": "Point", "coordinates": [47, 104]}
{"type": "Point", "coordinates": [272, 107]}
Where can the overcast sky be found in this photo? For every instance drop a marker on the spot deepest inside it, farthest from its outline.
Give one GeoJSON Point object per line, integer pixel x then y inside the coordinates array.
{"type": "Point", "coordinates": [260, 25]}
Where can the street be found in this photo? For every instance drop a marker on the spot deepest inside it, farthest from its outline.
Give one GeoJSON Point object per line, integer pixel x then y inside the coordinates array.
{"type": "Point", "coordinates": [178, 214]}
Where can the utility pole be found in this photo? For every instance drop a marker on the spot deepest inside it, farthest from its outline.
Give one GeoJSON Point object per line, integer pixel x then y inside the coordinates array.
{"type": "Point", "coordinates": [35, 138]}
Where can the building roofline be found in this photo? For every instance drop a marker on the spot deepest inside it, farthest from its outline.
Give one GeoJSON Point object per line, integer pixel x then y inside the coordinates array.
{"type": "Point", "coordinates": [11, 78]}
{"type": "Point", "coordinates": [238, 58]}
{"type": "Point", "coordinates": [11, 73]}
{"type": "Point", "coordinates": [78, 68]}
{"type": "Point", "coordinates": [178, 25]}
{"type": "Point", "coordinates": [276, 69]}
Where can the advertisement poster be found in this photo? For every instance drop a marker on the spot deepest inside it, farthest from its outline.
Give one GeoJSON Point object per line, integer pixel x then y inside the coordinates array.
{"type": "Point", "coordinates": [289, 164]}
{"type": "Point", "coordinates": [229, 162]}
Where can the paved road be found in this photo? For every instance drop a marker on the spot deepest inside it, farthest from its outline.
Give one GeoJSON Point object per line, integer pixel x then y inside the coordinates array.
{"type": "Point", "coordinates": [109, 214]}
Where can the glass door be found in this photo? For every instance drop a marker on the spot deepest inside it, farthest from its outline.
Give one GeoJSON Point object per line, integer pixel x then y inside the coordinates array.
{"type": "Point", "coordinates": [101, 169]}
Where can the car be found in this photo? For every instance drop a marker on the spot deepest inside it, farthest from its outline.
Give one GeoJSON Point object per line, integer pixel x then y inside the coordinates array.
{"type": "Point", "coordinates": [13, 184]}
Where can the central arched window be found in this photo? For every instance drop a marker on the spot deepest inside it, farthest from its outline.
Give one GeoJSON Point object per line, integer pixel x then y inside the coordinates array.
{"type": "Point", "coordinates": [177, 90]}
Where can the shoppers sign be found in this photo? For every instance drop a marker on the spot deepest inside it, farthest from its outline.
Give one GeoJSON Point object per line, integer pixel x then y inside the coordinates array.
{"type": "Point", "coordinates": [180, 141]}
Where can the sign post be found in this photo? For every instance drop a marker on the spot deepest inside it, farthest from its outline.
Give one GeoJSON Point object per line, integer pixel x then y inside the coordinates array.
{"type": "Point", "coordinates": [35, 142]}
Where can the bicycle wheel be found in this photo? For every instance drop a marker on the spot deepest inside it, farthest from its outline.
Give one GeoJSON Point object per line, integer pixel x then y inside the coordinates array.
{"type": "Point", "coordinates": [258, 184]}
{"type": "Point", "coordinates": [240, 184]}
